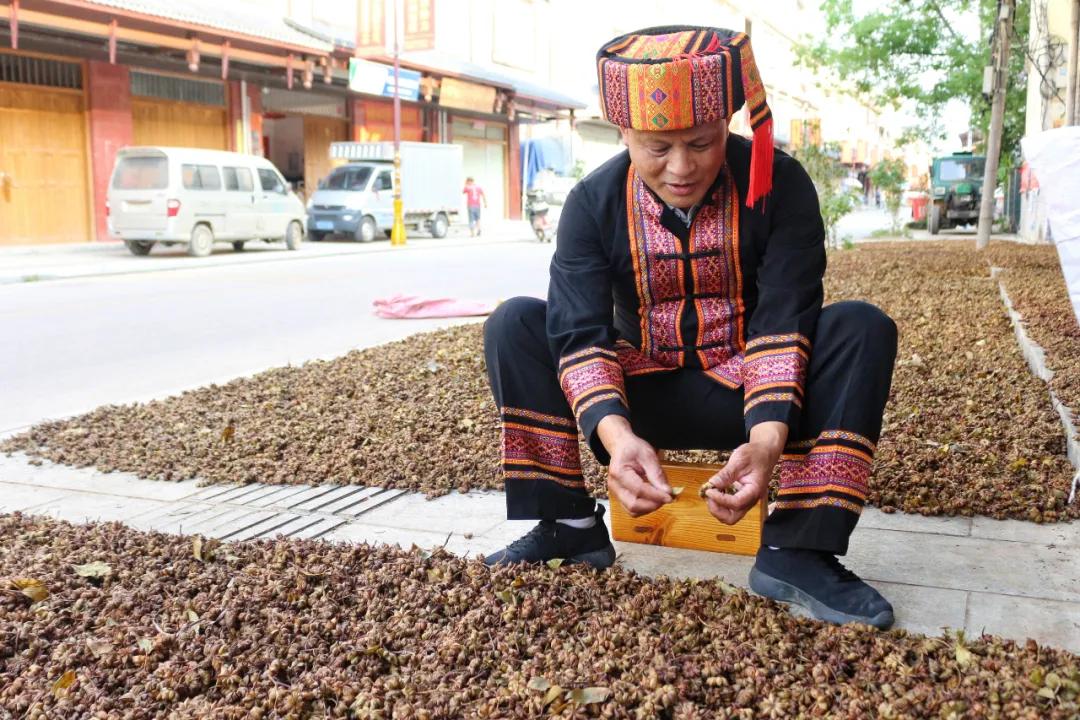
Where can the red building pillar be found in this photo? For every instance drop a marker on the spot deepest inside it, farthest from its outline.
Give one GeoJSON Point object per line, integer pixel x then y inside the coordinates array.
{"type": "Point", "coordinates": [111, 128]}
{"type": "Point", "coordinates": [235, 111]}
{"type": "Point", "coordinates": [356, 119]}
{"type": "Point", "coordinates": [236, 117]}
{"type": "Point", "coordinates": [255, 118]}
{"type": "Point", "coordinates": [513, 146]}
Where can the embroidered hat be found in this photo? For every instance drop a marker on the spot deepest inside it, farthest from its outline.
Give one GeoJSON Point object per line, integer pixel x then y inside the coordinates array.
{"type": "Point", "coordinates": [675, 77]}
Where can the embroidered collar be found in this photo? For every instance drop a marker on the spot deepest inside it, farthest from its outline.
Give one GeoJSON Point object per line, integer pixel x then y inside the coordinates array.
{"type": "Point", "coordinates": [686, 217]}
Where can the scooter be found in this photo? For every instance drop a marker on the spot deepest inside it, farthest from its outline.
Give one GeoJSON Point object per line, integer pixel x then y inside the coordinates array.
{"type": "Point", "coordinates": [536, 210]}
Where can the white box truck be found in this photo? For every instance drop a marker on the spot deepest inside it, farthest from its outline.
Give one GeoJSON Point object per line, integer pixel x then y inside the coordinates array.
{"type": "Point", "coordinates": [357, 198]}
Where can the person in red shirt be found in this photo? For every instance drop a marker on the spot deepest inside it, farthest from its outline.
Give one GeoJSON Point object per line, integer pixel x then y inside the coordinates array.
{"type": "Point", "coordinates": [474, 196]}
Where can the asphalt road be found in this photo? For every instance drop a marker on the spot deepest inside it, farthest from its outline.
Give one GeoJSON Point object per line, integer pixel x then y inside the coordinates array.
{"type": "Point", "coordinates": [69, 346]}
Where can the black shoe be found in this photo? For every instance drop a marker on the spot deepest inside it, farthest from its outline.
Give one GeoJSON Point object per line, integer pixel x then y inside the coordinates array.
{"type": "Point", "coordinates": [550, 540]}
{"type": "Point", "coordinates": [818, 582]}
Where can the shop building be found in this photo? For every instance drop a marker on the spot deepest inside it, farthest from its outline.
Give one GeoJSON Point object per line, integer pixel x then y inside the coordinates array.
{"type": "Point", "coordinates": [80, 79]}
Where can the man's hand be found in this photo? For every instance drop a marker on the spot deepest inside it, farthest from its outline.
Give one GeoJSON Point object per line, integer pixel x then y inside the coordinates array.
{"type": "Point", "coordinates": [747, 472]}
{"type": "Point", "coordinates": [634, 475]}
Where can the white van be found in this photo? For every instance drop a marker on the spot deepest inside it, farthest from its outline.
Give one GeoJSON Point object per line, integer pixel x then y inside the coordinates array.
{"type": "Point", "coordinates": [187, 196]}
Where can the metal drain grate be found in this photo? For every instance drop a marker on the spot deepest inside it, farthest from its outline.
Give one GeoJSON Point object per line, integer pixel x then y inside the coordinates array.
{"type": "Point", "coordinates": [247, 512]}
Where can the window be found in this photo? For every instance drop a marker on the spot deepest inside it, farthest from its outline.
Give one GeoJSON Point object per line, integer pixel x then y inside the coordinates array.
{"type": "Point", "coordinates": [237, 179]}
{"type": "Point", "coordinates": [166, 87]}
{"type": "Point", "coordinates": [348, 178]}
{"type": "Point", "coordinates": [141, 173]}
{"type": "Point", "coordinates": [961, 169]}
{"type": "Point", "coordinates": [38, 71]}
{"type": "Point", "coordinates": [270, 181]}
{"type": "Point", "coordinates": [200, 177]}
{"type": "Point", "coordinates": [384, 181]}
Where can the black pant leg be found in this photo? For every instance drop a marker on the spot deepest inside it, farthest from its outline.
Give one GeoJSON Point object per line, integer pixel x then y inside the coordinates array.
{"type": "Point", "coordinates": [826, 466]}
{"type": "Point", "coordinates": [541, 461]}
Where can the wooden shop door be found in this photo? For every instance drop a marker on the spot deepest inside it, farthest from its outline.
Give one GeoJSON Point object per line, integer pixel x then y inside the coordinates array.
{"type": "Point", "coordinates": [44, 178]}
{"type": "Point", "coordinates": [179, 124]}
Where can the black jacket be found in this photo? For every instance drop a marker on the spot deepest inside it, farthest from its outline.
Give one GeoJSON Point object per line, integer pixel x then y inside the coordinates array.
{"type": "Point", "coordinates": [736, 295]}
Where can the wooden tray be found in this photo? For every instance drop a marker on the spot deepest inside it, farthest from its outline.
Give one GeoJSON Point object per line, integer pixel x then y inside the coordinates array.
{"type": "Point", "coordinates": [687, 523]}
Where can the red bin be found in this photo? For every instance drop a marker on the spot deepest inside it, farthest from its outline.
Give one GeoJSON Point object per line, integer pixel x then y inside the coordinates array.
{"type": "Point", "coordinates": [918, 207]}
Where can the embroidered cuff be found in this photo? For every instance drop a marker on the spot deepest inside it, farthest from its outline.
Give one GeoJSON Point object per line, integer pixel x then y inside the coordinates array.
{"type": "Point", "coordinates": [832, 470]}
{"type": "Point", "coordinates": [773, 374]}
{"type": "Point", "coordinates": [536, 446]}
{"type": "Point", "coordinates": [589, 377]}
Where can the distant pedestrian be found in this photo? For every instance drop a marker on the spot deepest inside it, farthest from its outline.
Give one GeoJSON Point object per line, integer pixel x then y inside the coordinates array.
{"type": "Point", "coordinates": [474, 196]}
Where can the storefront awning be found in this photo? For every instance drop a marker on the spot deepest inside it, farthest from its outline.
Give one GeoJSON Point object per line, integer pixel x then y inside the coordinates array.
{"type": "Point", "coordinates": [246, 30]}
{"type": "Point", "coordinates": [437, 63]}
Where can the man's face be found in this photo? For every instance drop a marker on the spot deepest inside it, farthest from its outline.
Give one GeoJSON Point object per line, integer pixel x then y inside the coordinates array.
{"type": "Point", "coordinates": [679, 165]}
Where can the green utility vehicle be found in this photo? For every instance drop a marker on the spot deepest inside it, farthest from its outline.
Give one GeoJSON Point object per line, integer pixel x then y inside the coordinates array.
{"type": "Point", "coordinates": [956, 183]}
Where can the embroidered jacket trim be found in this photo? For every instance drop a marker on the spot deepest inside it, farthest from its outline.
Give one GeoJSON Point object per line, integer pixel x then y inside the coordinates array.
{"type": "Point", "coordinates": [591, 376]}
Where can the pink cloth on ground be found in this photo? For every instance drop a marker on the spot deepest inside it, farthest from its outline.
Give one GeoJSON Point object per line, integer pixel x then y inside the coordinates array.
{"type": "Point", "coordinates": [411, 306]}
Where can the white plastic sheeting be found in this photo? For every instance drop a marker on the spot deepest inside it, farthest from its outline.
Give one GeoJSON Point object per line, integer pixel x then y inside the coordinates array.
{"type": "Point", "coordinates": [1054, 157]}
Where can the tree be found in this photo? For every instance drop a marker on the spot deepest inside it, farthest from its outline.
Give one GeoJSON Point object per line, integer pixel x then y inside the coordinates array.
{"type": "Point", "coordinates": [908, 52]}
{"type": "Point", "coordinates": [888, 176]}
{"type": "Point", "coordinates": [825, 170]}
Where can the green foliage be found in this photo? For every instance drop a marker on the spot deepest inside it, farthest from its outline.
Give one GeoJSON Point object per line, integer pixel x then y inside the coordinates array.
{"type": "Point", "coordinates": [908, 52]}
{"type": "Point", "coordinates": [825, 170]}
{"type": "Point", "coordinates": [888, 176]}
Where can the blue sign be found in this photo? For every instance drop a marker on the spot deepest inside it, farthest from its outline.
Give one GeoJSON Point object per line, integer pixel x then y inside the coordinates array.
{"type": "Point", "coordinates": [377, 79]}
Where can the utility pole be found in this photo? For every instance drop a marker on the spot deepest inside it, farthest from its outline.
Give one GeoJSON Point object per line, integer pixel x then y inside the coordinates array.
{"type": "Point", "coordinates": [397, 231]}
{"type": "Point", "coordinates": [1074, 49]}
{"type": "Point", "coordinates": [998, 86]}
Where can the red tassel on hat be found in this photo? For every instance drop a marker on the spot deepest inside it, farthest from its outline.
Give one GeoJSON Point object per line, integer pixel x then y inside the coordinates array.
{"type": "Point", "coordinates": [761, 163]}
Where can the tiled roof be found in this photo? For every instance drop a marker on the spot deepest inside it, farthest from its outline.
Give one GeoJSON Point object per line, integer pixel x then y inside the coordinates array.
{"type": "Point", "coordinates": [235, 16]}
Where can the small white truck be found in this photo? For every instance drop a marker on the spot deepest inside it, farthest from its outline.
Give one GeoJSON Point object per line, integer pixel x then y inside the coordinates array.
{"type": "Point", "coordinates": [357, 198]}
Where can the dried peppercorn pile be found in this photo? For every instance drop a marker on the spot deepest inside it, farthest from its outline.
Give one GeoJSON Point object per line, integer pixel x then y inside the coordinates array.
{"type": "Point", "coordinates": [968, 429]}
{"type": "Point", "coordinates": [104, 621]}
{"type": "Point", "coordinates": [1033, 278]}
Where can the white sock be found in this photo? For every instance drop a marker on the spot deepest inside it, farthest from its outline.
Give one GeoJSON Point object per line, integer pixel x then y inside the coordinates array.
{"type": "Point", "coordinates": [580, 523]}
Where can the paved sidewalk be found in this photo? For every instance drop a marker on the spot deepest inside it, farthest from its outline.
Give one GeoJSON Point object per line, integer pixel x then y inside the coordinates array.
{"type": "Point", "coordinates": [36, 263]}
{"type": "Point", "coordinates": [1008, 578]}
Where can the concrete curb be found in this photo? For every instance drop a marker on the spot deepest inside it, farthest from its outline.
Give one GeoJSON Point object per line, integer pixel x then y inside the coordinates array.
{"type": "Point", "coordinates": [91, 246]}
{"type": "Point", "coordinates": [47, 275]}
{"type": "Point", "coordinates": [1036, 359]}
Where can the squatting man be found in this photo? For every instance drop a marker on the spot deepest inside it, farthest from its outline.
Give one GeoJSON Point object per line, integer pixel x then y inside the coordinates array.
{"type": "Point", "coordinates": [685, 311]}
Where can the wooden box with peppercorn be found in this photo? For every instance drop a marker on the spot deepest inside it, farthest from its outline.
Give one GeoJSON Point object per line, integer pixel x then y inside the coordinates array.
{"type": "Point", "coordinates": [687, 522]}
